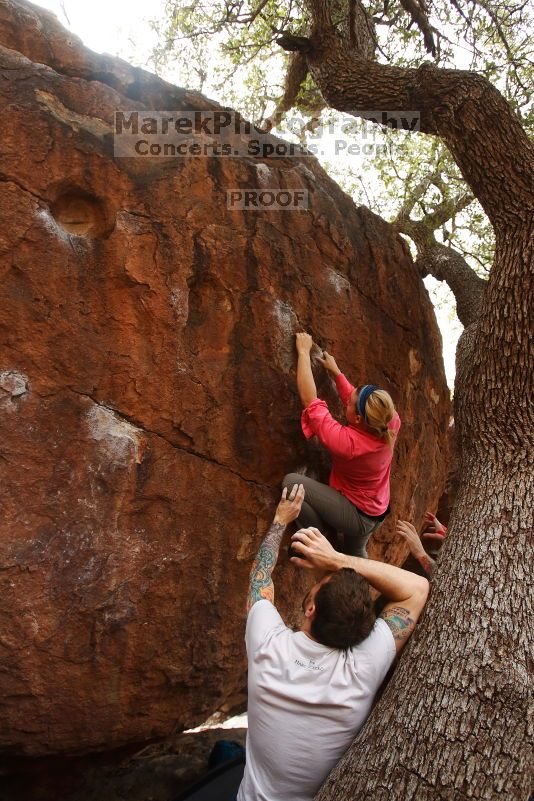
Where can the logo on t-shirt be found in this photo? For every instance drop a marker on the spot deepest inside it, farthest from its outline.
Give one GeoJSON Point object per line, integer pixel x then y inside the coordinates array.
{"type": "Point", "coordinates": [312, 665]}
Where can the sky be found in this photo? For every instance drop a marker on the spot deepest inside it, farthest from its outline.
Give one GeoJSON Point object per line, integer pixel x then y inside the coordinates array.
{"type": "Point", "coordinates": [122, 28]}
{"type": "Point", "coordinates": [118, 27]}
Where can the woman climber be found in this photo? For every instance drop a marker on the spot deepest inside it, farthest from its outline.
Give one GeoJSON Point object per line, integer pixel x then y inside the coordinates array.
{"type": "Point", "coordinates": [357, 499]}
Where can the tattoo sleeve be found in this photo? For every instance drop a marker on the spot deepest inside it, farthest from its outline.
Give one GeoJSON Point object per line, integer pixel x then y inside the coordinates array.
{"type": "Point", "coordinates": [261, 583]}
{"type": "Point", "coordinates": [399, 621]}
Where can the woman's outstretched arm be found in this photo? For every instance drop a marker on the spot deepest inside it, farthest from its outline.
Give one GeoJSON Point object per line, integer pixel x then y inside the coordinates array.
{"type": "Point", "coordinates": [343, 385]}
{"type": "Point", "coordinates": [305, 380]}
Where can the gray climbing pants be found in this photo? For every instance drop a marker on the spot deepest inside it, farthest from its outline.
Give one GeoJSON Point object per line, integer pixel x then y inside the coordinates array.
{"type": "Point", "coordinates": [324, 507]}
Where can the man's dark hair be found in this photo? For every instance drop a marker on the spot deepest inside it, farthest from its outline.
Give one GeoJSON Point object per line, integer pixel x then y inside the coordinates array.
{"type": "Point", "coordinates": [344, 611]}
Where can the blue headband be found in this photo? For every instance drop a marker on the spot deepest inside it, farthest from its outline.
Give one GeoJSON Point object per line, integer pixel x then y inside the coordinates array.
{"type": "Point", "coordinates": [365, 391]}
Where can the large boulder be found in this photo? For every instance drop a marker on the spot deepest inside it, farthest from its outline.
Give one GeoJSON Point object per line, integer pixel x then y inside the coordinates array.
{"type": "Point", "coordinates": [148, 407]}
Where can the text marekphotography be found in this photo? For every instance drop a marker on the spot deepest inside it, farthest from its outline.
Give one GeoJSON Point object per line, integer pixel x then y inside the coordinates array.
{"type": "Point", "coordinates": [171, 134]}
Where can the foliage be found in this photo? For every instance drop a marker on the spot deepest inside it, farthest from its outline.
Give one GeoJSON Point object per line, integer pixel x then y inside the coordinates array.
{"type": "Point", "coordinates": [387, 182]}
{"type": "Point", "coordinates": [228, 47]}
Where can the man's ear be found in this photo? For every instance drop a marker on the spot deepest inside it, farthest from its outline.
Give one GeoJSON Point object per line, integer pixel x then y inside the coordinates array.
{"type": "Point", "coordinates": [309, 611]}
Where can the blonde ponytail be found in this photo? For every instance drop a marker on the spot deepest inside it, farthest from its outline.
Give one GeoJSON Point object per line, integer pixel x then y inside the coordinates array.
{"type": "Point", "coordinates": [379, 411]}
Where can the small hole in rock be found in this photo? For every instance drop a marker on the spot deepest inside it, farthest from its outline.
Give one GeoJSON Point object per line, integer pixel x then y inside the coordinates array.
{"type": "Point", "coordinates": [81, 214]}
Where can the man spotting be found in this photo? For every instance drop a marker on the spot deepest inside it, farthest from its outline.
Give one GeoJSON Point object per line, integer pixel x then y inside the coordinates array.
{"type": "Point", "coordinates": [310, 691]}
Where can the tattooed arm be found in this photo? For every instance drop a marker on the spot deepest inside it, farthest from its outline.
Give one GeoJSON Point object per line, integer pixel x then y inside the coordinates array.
{"type": "Point", "coordinates": [426, 562]}
{"type": "Point", "coordinates": [405, 591]}
{"type": "Point", "coordinates": [261, 582]}
{"type": "Point", "coordinates": [400, 622]}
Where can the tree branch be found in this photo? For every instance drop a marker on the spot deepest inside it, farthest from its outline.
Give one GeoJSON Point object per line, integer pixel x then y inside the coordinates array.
{"type": "Point", "coordinates": [297, 70]}
{"type": "Point", "coordinates": [447, 264]}
{"type": "Point", "coordinates": [417, 193]}
{"type": "Point", "coordinates": [447, 209]}
{"type": "Point", "coordinates": [443, 211]}
{"type": "Point", "coordinates": [257, 11]}
{"type": "Point", "coordinates": [441, 261]}
{"type": "Point", "coordinates": [463, 108]}
{"type": "Point", "coordinates": [320, 13]}
{"type": "Point", "coordinates": [361, 30]}
{"type": "Point", "coordinates": [418, 12]}
{"type": "Point", "coordinates": [293, 44]}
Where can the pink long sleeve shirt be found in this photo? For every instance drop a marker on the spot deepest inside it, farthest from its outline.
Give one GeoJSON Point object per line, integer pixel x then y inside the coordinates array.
{"type": "Point", "coordinates": [361, 462]}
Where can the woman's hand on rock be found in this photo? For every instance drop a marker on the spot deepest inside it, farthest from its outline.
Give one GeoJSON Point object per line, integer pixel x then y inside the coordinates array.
{"type": "Point", "coordinates": [329, 363]}
{"type": "Point", "coordinates": [304, 343]}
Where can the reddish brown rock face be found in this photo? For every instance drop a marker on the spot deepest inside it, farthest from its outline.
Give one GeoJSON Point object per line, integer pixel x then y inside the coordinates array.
{"type": "Point", "coordinates": [148, 407]}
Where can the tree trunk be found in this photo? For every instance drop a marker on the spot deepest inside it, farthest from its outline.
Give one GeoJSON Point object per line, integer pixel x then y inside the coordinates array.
{"type": "Point", "coordinates": [452, 724]}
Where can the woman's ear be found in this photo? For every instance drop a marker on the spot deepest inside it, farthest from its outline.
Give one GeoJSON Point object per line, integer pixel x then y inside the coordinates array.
{"type": "Point", "coordinates": [353, 417]}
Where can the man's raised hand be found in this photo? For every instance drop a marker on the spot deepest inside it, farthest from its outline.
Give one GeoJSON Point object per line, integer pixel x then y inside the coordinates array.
{"type": "Point", "coordinates": [290, 505]}
{"type": "Point", "coordinates": [315, 551]}
{"type": "Point", "coordinates": [261, 585]}
{"type": "Point", "coordinates": [410, 537]}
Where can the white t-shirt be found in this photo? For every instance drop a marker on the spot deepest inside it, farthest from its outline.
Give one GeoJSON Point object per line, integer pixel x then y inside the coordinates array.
{"type": "Point", "coordinates": [306, 703]}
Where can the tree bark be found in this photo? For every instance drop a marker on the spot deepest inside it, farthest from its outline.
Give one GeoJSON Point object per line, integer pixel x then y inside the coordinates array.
{"type": "Point", "coordinates": [452, 724]}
